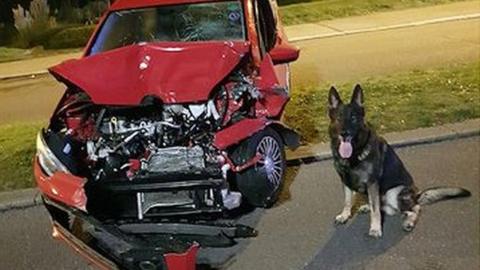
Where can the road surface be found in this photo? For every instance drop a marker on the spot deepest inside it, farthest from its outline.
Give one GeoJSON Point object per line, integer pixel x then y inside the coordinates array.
{"type": "Point", "coordinates": [331, 60]}
{"type": "Point", "coordinates": [299, 233]}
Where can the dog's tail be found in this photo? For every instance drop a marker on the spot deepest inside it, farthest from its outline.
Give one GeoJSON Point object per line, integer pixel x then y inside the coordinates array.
{"type": "Point", "coordinates": [435, 194]}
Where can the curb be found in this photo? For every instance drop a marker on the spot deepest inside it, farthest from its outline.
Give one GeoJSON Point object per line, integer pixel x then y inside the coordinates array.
{"type": "Point", "coordinates": [19, 199]}
{"type": "Point", "coordinates": [388, 27]}
{"type": "Point", "coordinates": [31, 75]}
{"type": "Point", "coordinates": [26, 198]}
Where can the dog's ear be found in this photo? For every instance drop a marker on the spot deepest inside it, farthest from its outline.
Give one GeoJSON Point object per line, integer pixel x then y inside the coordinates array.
{"type": "Point", "coordinates": [334, 99]}
{"type": "Point", "coordinates": [357, 96]}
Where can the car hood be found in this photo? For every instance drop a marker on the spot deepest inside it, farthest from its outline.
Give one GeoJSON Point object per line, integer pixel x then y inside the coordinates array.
{"type": "Point", "coordinates": [174, 72]}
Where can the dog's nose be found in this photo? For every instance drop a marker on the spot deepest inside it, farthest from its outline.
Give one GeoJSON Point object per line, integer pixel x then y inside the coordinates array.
{"type": "Point", "coordinates": [344, 134]}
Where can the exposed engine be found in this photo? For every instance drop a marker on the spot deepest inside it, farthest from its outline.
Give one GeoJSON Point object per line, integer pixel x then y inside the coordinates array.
{"type": "Point", "coordinates": [154, 138]}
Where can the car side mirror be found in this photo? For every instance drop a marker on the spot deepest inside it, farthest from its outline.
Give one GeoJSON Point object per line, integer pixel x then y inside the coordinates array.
{"type": "Point", "coordinates": [282, 54]}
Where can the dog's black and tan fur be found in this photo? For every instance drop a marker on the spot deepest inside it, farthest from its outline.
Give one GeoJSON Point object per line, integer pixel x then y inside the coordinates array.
{"type": "Point", "coordinates": [373, 168]}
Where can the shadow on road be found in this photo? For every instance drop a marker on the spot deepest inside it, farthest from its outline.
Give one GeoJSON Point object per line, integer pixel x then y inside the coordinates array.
{"type": "Point", "coordinates": [221, 258]}
{"type": "Point", "coordinates": [350, 247]}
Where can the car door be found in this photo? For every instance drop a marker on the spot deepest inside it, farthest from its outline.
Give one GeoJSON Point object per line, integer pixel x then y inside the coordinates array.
{"type": "Point", "coordinates": [266, 23]}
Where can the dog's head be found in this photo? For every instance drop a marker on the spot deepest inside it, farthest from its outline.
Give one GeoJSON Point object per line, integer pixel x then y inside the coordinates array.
{"type": "Point", "coordinates": [347, 125]}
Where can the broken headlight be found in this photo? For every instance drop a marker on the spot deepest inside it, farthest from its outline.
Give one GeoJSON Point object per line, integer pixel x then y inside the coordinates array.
{"type": "Point", "coordinates": [47, 160]}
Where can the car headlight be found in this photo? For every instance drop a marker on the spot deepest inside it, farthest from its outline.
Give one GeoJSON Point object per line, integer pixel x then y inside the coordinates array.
{"type": "Point", "coordinates": [47, 160]}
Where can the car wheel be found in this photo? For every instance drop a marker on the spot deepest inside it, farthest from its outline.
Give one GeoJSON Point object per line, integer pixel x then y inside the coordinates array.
{"type": "Point", "coordinates": [261, 183]}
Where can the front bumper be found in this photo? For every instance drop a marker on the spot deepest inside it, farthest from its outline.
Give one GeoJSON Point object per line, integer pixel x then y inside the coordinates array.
{"type": "Point", "coordinates": [140, 245]}
{"type": "Point", "coordinates": [106, 230]}
{"type": "Point", "coordinates": [155, 197]}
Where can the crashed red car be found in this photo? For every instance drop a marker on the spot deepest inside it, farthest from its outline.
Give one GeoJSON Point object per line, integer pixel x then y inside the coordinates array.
{"type": "Point", "coordinates": [171, 117]}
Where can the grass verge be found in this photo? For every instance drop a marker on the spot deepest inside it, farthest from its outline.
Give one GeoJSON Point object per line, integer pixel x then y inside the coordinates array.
{"type": "Point", "coordinates": [15, 54]}
{"type": "Point", "coordinates": [319, 10]}
{"type": "Point", "coordinates": [398, 102]}
{"type": "Point", "coordinates": [403, 101]}
{"type": "Point", "coordinates": [17, 147]}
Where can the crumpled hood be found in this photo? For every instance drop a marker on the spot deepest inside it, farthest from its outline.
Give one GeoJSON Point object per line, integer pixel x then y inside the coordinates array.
{"type": "Point", "coordinates": [172, 71]}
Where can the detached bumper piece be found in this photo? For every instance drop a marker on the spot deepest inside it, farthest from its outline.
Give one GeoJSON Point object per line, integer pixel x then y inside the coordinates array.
{"type": "Point", "coordinates": [159, 246]}
{"type": "Point", "coordinates": [144, 199]}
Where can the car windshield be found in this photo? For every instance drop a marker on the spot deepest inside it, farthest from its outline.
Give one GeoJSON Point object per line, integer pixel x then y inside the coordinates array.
{"type": "Point", "coordinates": [181, 23]}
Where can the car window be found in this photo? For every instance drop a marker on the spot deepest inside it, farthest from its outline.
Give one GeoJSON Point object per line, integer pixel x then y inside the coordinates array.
{"type": "Point", "coordinates": [181, 23]}
{"type": "Point", "coordinates": [266, 25]}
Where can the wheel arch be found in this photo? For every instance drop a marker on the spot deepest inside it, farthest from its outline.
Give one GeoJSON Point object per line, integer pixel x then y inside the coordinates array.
{"type": "Point", "coordinates": [246, 128]}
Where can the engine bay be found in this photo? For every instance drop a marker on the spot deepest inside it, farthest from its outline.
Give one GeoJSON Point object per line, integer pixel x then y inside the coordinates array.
{"type": "Point", "coordinates": [127, 142]}
{"type": "Point", "coordinates": [151, 144]}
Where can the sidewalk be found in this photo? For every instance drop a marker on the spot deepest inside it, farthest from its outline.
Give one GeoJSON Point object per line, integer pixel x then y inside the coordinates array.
{"type": "Point", "coordinates": [32, 67]}
{"type": "Point", "coordinates": [20, 199]}
{"type": "Point", "coordinates": [385, 21]}
{"type": "Point", "coordinates": [324, 29]}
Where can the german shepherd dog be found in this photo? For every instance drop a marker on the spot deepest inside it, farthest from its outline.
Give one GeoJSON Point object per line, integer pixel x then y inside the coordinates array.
{"type": "Point", "coordinates": [367, 164]}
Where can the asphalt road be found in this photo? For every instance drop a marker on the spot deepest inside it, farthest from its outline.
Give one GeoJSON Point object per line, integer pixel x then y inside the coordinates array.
{"type": "Point", "coordinates": [299, 233]}
{"type": "Point", "coordinates": [332, 60]}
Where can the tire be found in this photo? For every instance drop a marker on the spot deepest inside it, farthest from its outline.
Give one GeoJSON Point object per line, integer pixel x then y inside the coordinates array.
{"type": "Point", "coordinates": [261, 183]}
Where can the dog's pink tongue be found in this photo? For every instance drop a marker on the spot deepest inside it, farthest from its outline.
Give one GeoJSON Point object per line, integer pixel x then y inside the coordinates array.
{"type": "Point", "coordinates": [345, 149]}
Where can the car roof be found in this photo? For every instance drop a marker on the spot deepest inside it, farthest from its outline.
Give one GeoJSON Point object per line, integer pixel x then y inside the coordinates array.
{"type": "Point", "coordinates": [132, 4]}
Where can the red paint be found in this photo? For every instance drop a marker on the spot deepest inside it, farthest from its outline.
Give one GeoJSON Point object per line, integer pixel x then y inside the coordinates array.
{"type": "Point", "coordinates": [242, 130]}
{"type": "Point", "coordinates": [182, 261]}
{"type": "Point", "coordinates": [273, 95]}
{"type": "Point", "coordinates": [284, 53]}
{"type": "Point", "coordinates": [62, 187]}
{"type": "Point", "coordinates": [175, 72]}
{"type": "Point", "coordinates": [241, 167]}
{"type": "Point", "coordinates": [238, 132]}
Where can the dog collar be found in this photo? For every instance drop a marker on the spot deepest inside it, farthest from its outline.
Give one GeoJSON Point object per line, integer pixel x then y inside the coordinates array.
{"type": "Point", "coordinates": [366, 148]}
{"type": "Point", "coordinates": [364, 153]}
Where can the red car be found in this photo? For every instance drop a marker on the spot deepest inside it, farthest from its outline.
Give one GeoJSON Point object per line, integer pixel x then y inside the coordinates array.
{"type": "Point", "coordinates": [169, 121]}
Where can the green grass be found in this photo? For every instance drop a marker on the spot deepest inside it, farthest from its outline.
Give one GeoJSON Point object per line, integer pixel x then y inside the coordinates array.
{"type": "Point", "coordinates": [12, 54]}
{"type": "Point", "coordinates": [394, 103]}
{"type": "Point", "coordinates": [398, 102]}
{"type": "Point", "coordinates": [318, 10]}
{"type": "Point", "coordinates": [17, 148]}
{"type": "Point", "coordinates": [15, 54]}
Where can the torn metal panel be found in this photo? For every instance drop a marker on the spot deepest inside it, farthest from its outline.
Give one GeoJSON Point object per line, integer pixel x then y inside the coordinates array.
{"type": "Point", "coordinates": [243, 129]}
{"type": "Point", "coordinates": [62, 187]}
{"type": "Point", "coordinates": [273, 96]}
{"type": "Point", "coordinates": [238, 132]}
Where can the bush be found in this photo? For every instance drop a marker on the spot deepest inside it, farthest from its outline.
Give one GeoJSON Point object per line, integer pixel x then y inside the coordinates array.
{"type": "Point", "coordinates": [7, 33]}
{"type": "Point", "coordinates": [75, 12]}
{"type": "Point", "coordinates": [33, 24]}
{"type": "Point", "coordinates": [70, 38]}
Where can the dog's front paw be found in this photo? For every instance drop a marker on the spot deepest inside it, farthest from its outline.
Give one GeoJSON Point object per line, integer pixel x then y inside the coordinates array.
{"type": "Point", "coordinates": [364, 209]}
{"type": "Point", "coordinates": [341, 219]}
{"type": "Point", "coordinates": [408, 225]}
{"type": "Point", "coordinates": [375, 232]}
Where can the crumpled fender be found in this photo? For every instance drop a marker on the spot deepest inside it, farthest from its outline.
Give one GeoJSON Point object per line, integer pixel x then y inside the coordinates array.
{"type": "Point", "coordinates": [62, 187]}
{"type": "Point", "coordinates": [245, 128]}
{"type": "Point", "coordinates": [273, 97]}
